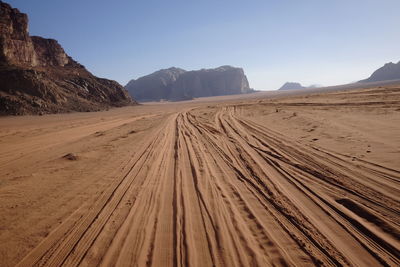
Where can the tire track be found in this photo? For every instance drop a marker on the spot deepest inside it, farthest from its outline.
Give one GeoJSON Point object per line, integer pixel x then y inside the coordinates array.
{"type": "Point", "coordinates": [60, 243]}
{"type": "Point", "coordinates": [378, 251]}
{"type": "Point", "coordinates": [222, 190]}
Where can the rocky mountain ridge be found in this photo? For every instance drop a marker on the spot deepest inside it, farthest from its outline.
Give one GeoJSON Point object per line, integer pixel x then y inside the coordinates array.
{"type": "Point", "coordinates": [37, 76]}
{"type": "Point", "coordinates": [160, 83]}
{"type": "Point", "coordinates": [292, 86]}
{"type": "Point", "coordinates": [390, 71]}
{"type": "Point", "coordinates": [175, 84]}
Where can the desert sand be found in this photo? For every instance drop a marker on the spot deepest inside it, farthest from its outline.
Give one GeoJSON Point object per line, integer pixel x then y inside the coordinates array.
{"type": "Point", "coordinates": [273, 179]}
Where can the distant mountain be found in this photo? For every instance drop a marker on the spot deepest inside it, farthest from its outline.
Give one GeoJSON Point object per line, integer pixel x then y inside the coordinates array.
{"type": "Point", "coordinates": [390, 71]}
{"type": "Point", "coordinates": [177, 84]}
{"type": "Point", "coordinates": [155, 86]}
{"type": "Point", "coordinates": [291, 86]}
{"type": "Point", "coordinates": [37, 76]}
{"type": "Point", "coordinates": [315, 86]}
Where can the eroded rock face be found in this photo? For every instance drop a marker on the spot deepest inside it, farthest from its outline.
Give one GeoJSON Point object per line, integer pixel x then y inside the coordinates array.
{"type": "Point", "coordinates": [49, 52]}
{"type": "Point", "coordinates": [156, 86]}
{"type": "Point", "coordinates": [390, 71]}
{"type": "Point", "coordinates": [225, 80]}
{"type": "Point", "coordinates": [37, 76]}
{"type": "Point", "coordinates": [176, 84]}
{"type": "Point", "coordinates": [15, 44]}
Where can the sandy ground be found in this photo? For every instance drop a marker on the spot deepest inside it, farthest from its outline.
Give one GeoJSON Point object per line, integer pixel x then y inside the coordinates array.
{"type": "Point", "coordinates": [268, 180]}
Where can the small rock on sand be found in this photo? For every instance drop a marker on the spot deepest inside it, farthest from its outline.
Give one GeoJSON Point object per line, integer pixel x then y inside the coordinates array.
{"type": "Point", "coordinates": [70, 156]}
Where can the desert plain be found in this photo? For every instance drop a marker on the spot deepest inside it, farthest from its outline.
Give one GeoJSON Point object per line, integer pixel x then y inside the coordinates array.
{"type": "Point", "coordinates": [279, 179]}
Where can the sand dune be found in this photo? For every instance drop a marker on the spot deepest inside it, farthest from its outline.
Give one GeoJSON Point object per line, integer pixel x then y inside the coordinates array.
{"type": "Point", "coordinates": [290, 181]}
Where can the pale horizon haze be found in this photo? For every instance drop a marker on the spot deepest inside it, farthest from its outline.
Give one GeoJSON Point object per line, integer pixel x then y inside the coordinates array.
{"type": "Point", "coordinates": [309, 41]}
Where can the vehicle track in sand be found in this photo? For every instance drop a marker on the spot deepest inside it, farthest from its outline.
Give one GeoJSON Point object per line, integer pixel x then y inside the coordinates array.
{"type": "Point", "coordinates": [222, 190]}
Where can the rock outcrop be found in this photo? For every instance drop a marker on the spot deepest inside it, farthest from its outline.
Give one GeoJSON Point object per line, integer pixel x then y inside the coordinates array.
{"type": "Point", "coordinates": [37, 76]}
{"type": "Point", "coordinates": [225, 80]}
{"type": "Point", "coordinates": [390, 71]}
{"type": "Point", "coordinates": [175, 84]}
{"type": "Point", "coordinates": [291, 86]}
{"type": "Point", "coordinates": [154, 87]}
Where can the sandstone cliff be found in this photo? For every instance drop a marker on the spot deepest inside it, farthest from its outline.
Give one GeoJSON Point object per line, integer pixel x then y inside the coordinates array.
{"type": "Point", "coordinates": [37, 76]}
{"type": "Point", "coordinates": [176, 84]}
{"type": "Point", "coordinates": [390, 71]}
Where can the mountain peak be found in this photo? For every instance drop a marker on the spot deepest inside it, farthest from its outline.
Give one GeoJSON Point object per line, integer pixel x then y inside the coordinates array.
{"type": "Point", "coordinates": [389, 71]}
{"type": "Point", "coordinates": [175, 69]}
{"type": "Point", "coordinates": [291, 86]}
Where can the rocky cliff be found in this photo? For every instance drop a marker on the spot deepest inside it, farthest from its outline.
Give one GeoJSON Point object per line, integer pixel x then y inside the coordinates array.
{"type": "Point", "coordinates": [37, 76]}
{"type": "Point", "coordinates": [155, 86]}
{"type": "Point", "coordinates": [390, 71]}
{"type": "Point", "coordinates": [176, 84]}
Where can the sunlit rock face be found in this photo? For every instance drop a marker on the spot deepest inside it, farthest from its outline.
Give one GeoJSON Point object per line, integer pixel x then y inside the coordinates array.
{"type": "Point", "coordinates": [37, 76]}
{"type": "Point", "coordinates": [16, 46]}
{"type": "Point", "coordinates": [49, 52]}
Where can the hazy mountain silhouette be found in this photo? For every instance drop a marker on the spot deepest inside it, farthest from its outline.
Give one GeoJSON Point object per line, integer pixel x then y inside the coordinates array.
{"type": "Point", "coordinates": [291, 86]}
{"type": "Point", "coordinates": [390, 71]}
{"type": "Point", "coordinates": [177, 84]}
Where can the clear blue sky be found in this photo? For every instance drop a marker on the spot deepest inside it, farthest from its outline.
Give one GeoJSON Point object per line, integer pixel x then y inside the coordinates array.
{"type": "Point", "coordinates": [308, 41]}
